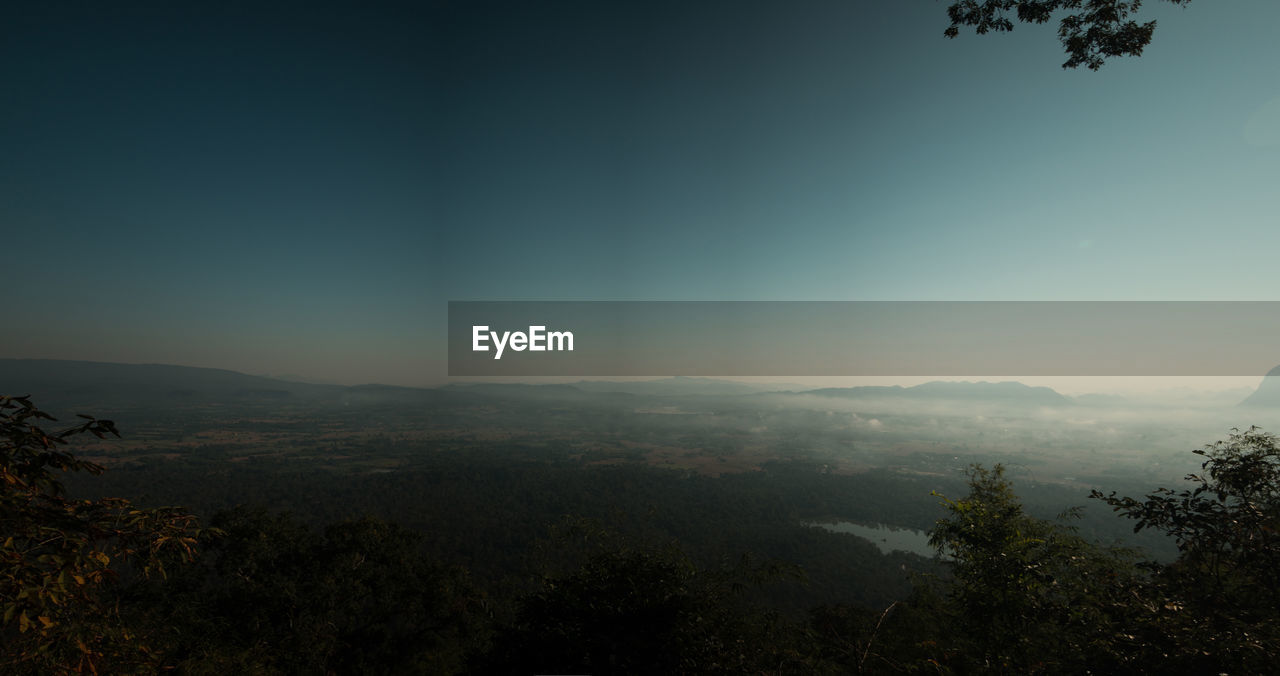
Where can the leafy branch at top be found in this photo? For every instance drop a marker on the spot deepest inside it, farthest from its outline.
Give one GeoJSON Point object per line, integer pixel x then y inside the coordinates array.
{"type": "Point", "coordinates": [1091, 31]}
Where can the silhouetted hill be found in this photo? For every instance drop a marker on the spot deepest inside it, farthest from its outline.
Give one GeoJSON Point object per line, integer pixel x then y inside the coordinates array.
{"type": "Point", "coordinates": [64, 386]}
{"type": "Point", "coordinates": [1268, 392]}
{"type": "Point", "coordinates": [63, 383]}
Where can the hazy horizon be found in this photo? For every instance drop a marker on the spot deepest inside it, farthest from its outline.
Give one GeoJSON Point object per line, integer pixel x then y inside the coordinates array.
{"type": "Point", "coordinates": [1068, 385]}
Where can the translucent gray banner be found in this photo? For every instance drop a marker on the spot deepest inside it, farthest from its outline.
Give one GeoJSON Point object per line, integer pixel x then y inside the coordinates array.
{"type": "Point", "coordinates": [862, 338]}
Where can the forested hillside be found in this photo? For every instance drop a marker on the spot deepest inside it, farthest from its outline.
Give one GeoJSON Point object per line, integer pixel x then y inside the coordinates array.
{"type": "Point", "coordinates": [436, 571]}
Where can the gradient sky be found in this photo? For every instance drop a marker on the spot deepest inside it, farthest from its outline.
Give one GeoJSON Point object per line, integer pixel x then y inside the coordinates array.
{"type": "Point", "coordinates": [299, 190]}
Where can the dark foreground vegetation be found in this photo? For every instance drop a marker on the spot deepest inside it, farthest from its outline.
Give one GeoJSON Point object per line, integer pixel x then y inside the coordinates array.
{"type": "Point", "coordinates": [104, 585]}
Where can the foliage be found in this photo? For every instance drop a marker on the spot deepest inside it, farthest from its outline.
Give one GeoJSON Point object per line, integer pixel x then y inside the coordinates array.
{"type": "Point", "coordinates": [1216, 606]}
{"type": "Point", "coordinates": [1031, 596]}
{"type": "Point", "coordinates": [642, 610]}
{"type": "Point", "coordinates": [270, 596]}
{"type": "Point", "coordinates": [60, 558]}
{"type": "Point", "coordinates": [1028, 595]}
{"type": "Point", "coordinates": [1091, 31]}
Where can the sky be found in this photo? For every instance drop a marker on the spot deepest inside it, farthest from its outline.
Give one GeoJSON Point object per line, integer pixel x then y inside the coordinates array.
{"type": "Point", "coordinates": [300, 190]}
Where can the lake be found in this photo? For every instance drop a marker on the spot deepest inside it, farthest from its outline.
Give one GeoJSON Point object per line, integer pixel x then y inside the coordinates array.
{"type": "Point", "coordinates": [887, 538]}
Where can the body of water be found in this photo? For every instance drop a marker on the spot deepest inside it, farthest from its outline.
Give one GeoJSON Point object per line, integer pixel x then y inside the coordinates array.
{"type": "Point", "coordinates": [887, 538]}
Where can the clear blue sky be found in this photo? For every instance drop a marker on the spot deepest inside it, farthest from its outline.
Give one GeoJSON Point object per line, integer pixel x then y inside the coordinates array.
{"type": "Point", "coordinates": [298, 190]}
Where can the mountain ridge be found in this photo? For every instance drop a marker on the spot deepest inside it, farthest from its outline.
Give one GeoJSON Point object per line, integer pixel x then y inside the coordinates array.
{"type": "Point", "coordinates": [1268, 392]}
{"type": "Point", "coordinates": [88, 382]}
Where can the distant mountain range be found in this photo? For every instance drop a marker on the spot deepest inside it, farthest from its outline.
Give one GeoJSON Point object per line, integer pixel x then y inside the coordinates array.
{"type": "Point", "coordinates": [65, 383]}
{"type": "Point", "coordinates": [1007, 392]}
